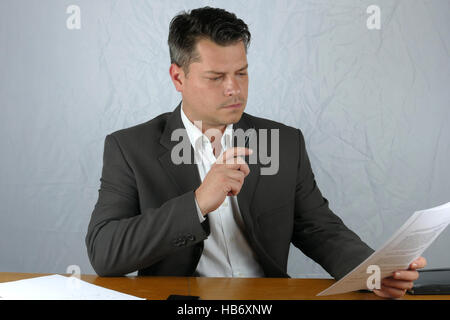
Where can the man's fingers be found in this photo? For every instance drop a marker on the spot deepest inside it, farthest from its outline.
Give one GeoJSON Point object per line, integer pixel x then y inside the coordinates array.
{"type": "Point", "coordinates": [229, 154]}
{"type": "Point", "coordinates": [381, 294]}
{"type": "Point", "coordinates": [388, 292]}
{"type": "Point", "coordinates": [243, 166]}
{"type": "Point", "coordinates": [232, 187]}
{"type": "Point", "coordinates": [407, 275]}
{"type": "Point", "coordinates": [236, 175]}
{"type": "Point", "coordinates": [232, 162]}
{"type": "Point", "coordinates": [393, 292]}
{"type": "Point", "coordinates": [399, 284]}
{"type": "Point", "coordinates": [239, 164]}
{"type": "Point", "coordinates": [233, 159]}
{"type": "Point", "coordinates": [394, 288]}
{"type": "Point", "coordinates": [419, 263]}
{"type": "Point", "coordinates": [411, 274]}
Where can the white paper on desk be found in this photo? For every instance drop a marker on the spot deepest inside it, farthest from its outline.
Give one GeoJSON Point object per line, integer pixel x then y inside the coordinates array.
{"type": "Point", "coordinates": [57, 287]}
{"type": "Point", "coordinates": [406, 245]}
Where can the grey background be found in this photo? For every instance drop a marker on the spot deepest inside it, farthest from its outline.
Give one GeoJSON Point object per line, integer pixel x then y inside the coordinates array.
{"type": "Point", "coordinates": [373, 106]}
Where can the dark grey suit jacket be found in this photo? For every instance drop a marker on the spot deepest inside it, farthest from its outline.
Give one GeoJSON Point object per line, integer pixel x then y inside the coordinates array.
{"type": "Point", "coordinates": [146, 219]}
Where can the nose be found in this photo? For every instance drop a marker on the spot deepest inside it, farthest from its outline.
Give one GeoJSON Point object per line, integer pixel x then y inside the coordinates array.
{"type": "Point", "coordinates": [232, 87]}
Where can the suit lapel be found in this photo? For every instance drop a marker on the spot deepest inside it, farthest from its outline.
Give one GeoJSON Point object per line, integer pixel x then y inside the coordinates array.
{"type": "Point", "coordinates": [184, 176]}
{"type": "Point", "coordinates": [245, 200]}
{"type": "Point", "coordinates": [245, 196]}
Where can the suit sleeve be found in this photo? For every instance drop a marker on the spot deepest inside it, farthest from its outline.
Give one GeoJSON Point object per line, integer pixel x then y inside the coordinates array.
{"type": "Point", "coordinates": [318, 232]}
{"type": "Point", "coordinates": [122, 237]}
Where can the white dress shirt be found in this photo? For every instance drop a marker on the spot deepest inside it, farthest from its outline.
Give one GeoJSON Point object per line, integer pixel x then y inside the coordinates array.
{"type": "Point", "coordinates": [226, 251]}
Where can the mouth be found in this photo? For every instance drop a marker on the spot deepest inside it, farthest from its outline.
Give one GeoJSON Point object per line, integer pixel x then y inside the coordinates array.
{"type": "Point", "coordinates": [234, 106]}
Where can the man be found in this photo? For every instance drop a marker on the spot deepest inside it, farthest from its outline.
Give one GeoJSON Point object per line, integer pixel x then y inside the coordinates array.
{"type": "Point", "coordinates": [217, 215]}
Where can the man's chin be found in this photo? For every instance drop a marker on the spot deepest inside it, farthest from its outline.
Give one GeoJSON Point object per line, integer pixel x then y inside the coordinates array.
{"type": "Point", "coordinates": [234, 118]}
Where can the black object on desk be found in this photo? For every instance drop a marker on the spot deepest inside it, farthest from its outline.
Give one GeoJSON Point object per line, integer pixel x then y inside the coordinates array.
{"type": "Point", "coordinates": [432, 281]}
{"type": "Point", "coordinates": [182, 297]}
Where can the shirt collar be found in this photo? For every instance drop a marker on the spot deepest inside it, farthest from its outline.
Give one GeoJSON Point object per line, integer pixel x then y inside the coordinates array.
{"type": "Point", "coordinates": [197, 138]}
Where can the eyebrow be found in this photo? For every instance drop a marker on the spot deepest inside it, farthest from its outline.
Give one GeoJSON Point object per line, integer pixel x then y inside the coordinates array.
{"type": "Point", "coordinates": [218, 72]}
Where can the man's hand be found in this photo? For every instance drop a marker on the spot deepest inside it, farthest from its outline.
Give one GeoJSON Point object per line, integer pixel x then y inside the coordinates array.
{"type": "Point", "coordinates": [396, 285]}
{"type": "Point", "coordinates": [225, 178]}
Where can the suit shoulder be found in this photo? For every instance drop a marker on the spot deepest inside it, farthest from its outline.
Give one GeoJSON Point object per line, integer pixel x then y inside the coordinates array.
{"type": "Point", "coordinates": [263, 123]}
{"type": "Point", "coordinates": [151, 128]}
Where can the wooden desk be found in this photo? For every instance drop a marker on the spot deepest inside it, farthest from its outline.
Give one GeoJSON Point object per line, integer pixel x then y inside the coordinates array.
{"type": "Point", "coordinates": [159, 288]}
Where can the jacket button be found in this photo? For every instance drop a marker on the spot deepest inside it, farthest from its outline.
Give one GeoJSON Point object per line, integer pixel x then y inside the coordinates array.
{"type": "Point", "coordinates": [177, 242]}
{"type": "Point", "coordinates": [190, 237]}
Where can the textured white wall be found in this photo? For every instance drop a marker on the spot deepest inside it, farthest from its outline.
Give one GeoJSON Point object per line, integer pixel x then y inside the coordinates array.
{"type": "Point", "coordinates": [374, 106]}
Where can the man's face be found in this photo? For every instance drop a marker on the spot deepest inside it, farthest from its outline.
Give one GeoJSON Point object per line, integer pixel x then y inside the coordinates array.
{"type": "Point", "coordinates": [216, 87]}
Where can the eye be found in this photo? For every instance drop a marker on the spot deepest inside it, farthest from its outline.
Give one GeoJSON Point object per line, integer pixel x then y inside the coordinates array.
{"type": "Point", "coordinates": [216, 78]}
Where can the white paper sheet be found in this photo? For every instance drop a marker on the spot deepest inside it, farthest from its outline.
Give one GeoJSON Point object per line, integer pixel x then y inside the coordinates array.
{"type": "Point", "coordinates": [406, 245]}
{"type": "Point", "coordinates": [57, 287]}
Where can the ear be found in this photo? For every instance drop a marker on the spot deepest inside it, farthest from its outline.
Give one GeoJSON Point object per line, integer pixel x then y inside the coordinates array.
{"type": "Point", "coordinates": [177, 76]}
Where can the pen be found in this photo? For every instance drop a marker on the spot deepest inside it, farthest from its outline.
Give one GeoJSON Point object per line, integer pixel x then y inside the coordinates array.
{"type": "Point", "coordinates": [247, 136]}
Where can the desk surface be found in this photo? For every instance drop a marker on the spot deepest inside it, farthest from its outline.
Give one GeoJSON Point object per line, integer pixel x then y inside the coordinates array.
{"type": "Point", "coordinates": [159, 288]}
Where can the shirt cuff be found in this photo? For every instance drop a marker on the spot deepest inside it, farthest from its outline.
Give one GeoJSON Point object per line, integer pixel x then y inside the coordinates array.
{"type": "Point", "coordinates": [199, 212]}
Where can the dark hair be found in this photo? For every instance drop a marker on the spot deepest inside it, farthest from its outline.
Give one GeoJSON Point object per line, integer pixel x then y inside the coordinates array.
{"type": "Point", "coordinates": [217, 25]}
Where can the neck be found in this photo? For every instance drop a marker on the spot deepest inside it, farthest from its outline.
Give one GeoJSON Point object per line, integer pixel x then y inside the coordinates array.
{"type": "Point", "coordinates": [203, 125]}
